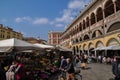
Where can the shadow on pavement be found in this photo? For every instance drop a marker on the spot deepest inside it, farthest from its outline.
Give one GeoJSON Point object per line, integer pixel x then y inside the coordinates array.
{"type": "Point", "coordinates": [87, 68]}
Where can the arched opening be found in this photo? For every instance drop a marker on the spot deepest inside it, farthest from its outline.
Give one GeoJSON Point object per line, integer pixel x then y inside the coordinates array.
{"type": "Point", "coordinates": [76, 40]}
{"type": "Point", "coordinates": [80, 27]}
{"type": "Point", "coordinates": [109, 8]}
{"type": "Point", "coordinates": [80, 39]}
{"type": "Point", "coordinates": [83, 24]}
{"type": "Point", "coordinates": [73, 31]}
{"type": "Point", "coordinates": [96, 33]}
{"type": "Point", "coordinates": [86, 37]}
{"type": "Point", "coordinates": [77, 49]}
{"type": "Point", "coordinates": [92, 18]}
{"type": "Point", "coordinates": [74, 50]}
{"type": "Point", "coordinates": [80, 50]}
{"type": "Point", "coordinates": [114, 27]}
{"type": "Point", "coordinates": [99, 45]}
{"type": "Point", "coordinates": [112, 42]}
{"type": "Point", "coordinates": [91, 49]}
{"type": "Point", "coordinates": [85, 49]}
{"type": "Point", "coordinates": [99, 14]}
{"type": "Point", "coordinates": [87, 22]}
{"type": "Point", "coordinates": [117, 5]}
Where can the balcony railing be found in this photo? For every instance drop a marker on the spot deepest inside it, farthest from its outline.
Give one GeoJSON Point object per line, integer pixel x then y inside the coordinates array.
{"type": "Point", "coordinates": [112, 17]}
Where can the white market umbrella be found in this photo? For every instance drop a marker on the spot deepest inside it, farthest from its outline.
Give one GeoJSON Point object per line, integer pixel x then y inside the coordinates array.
{"type": "Point", "coordinates": [14, 44]}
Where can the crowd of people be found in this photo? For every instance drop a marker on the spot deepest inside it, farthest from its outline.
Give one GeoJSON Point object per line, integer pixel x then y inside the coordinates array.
{"type": "Point", "coordinates": [66, 65]}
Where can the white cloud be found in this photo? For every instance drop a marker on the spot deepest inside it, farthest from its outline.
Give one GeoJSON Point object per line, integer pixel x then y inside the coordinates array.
{"type": "Point", "coordinates": [32, 20]}
{"type": "Point", "coordinates": [59, 25]}
{"type": "Point", "coordinates": [66, 17]}
{"type": "Point", "coordinates": [72, 10]}
{"type": "Point", "coordinates": [41, 21]}
{"type": "Point", "coordinates": [22, 19]}
{"type": "Point", "coordinates": [75, 4]}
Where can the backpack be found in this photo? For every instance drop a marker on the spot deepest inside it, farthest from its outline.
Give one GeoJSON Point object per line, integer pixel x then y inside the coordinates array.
{"type": "Point", "coordinates": [118, 70]}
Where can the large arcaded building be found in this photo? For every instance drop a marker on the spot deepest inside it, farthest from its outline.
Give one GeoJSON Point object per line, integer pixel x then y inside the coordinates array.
{"type": "Point", "coordinates": [98, 25]}
{"type": "Point", "coordinates": [7, 33]}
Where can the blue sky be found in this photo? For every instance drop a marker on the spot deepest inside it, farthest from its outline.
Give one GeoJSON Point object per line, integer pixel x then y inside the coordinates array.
{"type": "Point", "coordinates": [35, 18]}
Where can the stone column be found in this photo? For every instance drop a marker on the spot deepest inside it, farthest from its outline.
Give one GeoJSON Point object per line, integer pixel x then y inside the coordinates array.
{"type": "Point", "coordinates": [95, 53]}
{"type": "Point", "coordinates": [88, 53]}
{"type": "Point", "coordinates": [95, 18]}
{"type": "Point", "coordinates": [115, 6]}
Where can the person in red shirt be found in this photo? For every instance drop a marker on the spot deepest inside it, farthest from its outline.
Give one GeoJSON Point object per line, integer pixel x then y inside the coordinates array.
{"type": "Point", "coordinates": [20, 71]}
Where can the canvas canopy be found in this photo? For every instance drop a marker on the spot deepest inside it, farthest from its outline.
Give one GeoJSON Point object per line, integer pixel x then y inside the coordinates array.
{"type": "Point", "coordinates": [14, 44]}
{"type": "Point", "coordinates": [44, 46]}
{"type": "Point", "coordinates": [61, 48]}
{"type": "Point", "coordinates": [108, 48]}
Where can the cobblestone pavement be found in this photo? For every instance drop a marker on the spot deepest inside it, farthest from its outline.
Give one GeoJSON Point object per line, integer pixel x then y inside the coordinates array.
{"type": "Point", "coordinates": [96, 71]}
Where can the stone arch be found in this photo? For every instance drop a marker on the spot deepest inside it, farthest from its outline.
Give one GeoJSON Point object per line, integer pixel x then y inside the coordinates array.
{"type": "Point", "coordinates": [73, 31]}
{"type": "Point", "coordinates": [92, 18]}
{"type": "Point", "coordinates": [86, 37]}
{"type": "Point", "coordinates": [117, 5]}
{"type": "Point", "coordinates": [77, 49]}
{"type": "Point", "coordinates": [90, 45]}
{"type": "Point", "coordinates": [99, 44]}
{"type": "Point", "coordinates": [99, 14]}
{"type": "Point", "coordinates": [96, 33]}
{"type": "Point", "coordinates": [80, 39]}
{"type": "Point", "coordinates": [80, 47]}
{"type": "Point", "coordinates": [76, 40]}
{"type": "Point", "coordinates": [83, 24]}
{"type": "Point", "coordinates": [87, 22]}
{"type": "Point", "coordinates": [114, 26]}
{"type": "Point", "coordinates": [109, 8]}
{"type": "Point", "coordinates": [85, 47]}
{"type": "Point", "coordinates": [80, 27]}
{"type": "Point", "coordinates": [112, 41]}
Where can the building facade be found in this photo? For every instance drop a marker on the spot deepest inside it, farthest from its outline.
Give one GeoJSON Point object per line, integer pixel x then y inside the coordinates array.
{"type": "Point", "coordinates": [7, 33]}
{"type": "Point", "coordinates": [98, 25]}
{"type": "Point", "coordinates": [54, 37]}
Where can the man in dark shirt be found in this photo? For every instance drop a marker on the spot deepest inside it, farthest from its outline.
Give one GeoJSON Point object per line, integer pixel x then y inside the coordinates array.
{"type": "Point", "coordinates": [63, 66]}
{"type": "Point", "coordinates": [70, 71]}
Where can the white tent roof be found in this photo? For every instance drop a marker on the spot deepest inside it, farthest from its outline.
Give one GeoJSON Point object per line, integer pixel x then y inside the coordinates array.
{"type": "Point", "coordinates": [44, 46]}
{"type": "Point", "coordinates": [108, 48]}
{"type": "Point", "coordinates": [15, 44]}
{"type": "Point", "coordinates": [61, 48]}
